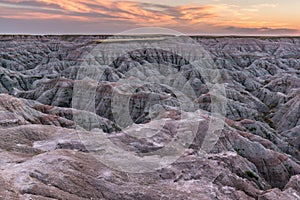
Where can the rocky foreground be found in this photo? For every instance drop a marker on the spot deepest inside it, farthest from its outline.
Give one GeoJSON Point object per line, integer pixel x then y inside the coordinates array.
{"type": "Point", "coordinates": [256, 155]}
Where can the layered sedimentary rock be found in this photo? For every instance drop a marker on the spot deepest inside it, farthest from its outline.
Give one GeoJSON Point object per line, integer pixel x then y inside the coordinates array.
{"type": "Point", "coordinates": [43, 155]}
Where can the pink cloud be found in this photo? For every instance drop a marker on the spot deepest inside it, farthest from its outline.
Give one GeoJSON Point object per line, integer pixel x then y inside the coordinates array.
{"type": "Point", "coordinates": [215, 17]}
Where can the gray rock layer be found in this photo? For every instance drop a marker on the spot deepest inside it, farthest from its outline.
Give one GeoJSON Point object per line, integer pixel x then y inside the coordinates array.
{"type": "Point", "coordinates": [43, 157]}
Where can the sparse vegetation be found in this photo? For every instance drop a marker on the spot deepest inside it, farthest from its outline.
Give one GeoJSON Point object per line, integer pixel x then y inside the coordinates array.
{"type": "Point", "coordinates": [251, 175]}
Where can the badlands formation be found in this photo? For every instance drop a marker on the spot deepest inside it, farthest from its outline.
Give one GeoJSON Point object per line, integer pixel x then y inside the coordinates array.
{"type": "Point", "coordinates": [44, 155]}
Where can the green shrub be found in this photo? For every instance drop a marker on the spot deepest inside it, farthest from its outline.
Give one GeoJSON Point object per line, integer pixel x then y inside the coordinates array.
{"type": "Point", "coordinates": [251, 175]}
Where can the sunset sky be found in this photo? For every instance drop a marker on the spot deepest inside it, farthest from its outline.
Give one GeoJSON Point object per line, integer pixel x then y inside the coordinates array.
{"type": "Point", "coordinates": [218, 17]}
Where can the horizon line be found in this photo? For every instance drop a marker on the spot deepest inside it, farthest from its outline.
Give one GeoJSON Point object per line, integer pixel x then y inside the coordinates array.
{"type": "Point", "coordinates": [153, 34]}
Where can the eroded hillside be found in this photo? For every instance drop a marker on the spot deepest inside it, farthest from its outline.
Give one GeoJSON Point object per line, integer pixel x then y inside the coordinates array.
{"type": "Point", "coordinates": [256, 155]}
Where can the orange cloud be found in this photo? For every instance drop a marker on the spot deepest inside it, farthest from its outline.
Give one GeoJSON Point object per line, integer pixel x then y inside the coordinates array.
{"type": "Point", "coordinates": [128, 10]}
{"type": "Point", "coordinates": [214, 16]}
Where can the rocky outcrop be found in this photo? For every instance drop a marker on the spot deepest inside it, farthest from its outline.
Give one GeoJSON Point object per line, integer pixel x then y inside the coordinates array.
{"type": "Point", "coordinates": [44, 156]}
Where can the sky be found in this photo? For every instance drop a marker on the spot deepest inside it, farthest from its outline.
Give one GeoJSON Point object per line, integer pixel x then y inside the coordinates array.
{"type": "Point", "coordinates": [212, 17]}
